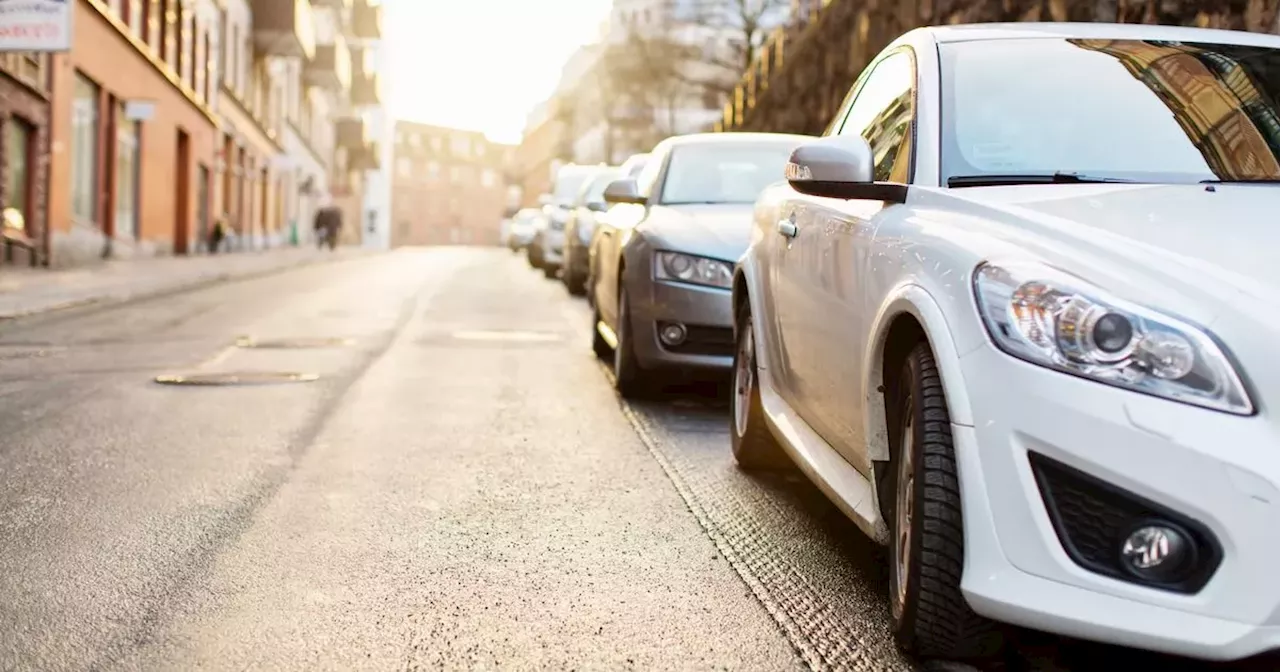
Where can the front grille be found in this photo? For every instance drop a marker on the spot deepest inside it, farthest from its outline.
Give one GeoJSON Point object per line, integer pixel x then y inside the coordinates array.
{"type": "Point", "coordinates": [703, 340]}
{"type": "Point", "coordinates": [1092, 518]}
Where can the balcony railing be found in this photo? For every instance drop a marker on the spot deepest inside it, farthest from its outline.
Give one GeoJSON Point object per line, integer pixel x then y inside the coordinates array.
{"type": "Point", "coordinates": [366, 20]}
{"type": "Point", "coordinates": [366, 89]}
{"type": "Point", "coordinates": [284, 28]}
{"type": "Point", "coordinates": [331, 66]}
{"type": "Point", "coordinates": [351, 134]}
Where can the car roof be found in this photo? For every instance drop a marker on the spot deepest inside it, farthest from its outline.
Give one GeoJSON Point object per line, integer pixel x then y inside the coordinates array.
{"type": "Point", "coordinates": [733, 137]}
{"type": "Point", "coordinates": [1097, 31]}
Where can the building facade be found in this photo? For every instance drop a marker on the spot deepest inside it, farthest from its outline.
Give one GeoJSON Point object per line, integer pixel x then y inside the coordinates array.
{"type": "Point", "coordinates": [134, 130]}
{"type": "Point", "coordinates": [168, 116]}
{"type": "Point", "coordinates": [449, 186]}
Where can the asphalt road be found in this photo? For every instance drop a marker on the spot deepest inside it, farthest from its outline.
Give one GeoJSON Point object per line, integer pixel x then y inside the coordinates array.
{"type": "Point", "coordinates": [459, 489]}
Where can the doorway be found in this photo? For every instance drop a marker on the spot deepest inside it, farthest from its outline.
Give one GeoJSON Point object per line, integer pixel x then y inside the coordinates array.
{"type": "Point", "coordinates": [202, 205]}
{"type": "Point", "coordinates": [182, 195]}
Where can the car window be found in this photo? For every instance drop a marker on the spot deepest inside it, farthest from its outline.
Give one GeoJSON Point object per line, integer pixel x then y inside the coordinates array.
{"type": "Point", "coordinates": [593, 191]}
{"type": "Point", "coordinates": [723, 172]}
{"type": "Point", "coordinates": [1147, 111]}
{"type": "Point", "coordinates": [649, 173]}
{"type": "Point", "coordinates": [568, 182]}
{"type": "Point", "coordinates": [882, 114]}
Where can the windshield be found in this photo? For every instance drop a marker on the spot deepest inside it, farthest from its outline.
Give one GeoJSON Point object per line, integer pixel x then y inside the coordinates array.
{"type": "Point", "coordinates": [1122, 109]}
{"type": "Point", "coordinates": [569, 183]}
{"type": "Point", "coordinates": [594, 191]}
{"type": "Point", "coordinates": [722, 172]}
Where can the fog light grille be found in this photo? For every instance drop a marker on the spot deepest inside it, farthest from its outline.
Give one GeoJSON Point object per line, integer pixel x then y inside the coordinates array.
{"type": "Point", "coordinates": [1098, 524]}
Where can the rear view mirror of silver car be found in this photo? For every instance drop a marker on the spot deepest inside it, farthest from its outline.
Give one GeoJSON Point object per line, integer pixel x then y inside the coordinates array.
{"type": "Point", "coordinates": [840, 166]}
{"type": "Point", "coordinates": [623, 190]}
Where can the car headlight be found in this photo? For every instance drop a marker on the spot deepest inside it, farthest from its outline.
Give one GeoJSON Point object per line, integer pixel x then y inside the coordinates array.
{"type": "Point", "coordinates": [694, 270]}
{"type": "Point", "coordinates": [1049, 318]}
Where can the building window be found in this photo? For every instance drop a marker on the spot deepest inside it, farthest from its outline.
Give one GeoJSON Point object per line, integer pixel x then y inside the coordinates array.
{"type": "Point", "coordinates": [405, 167]}
{"type": "Point", "coordinates": [433, 169]}
{"type": "Point", "coordinates": [19, 135]}
{"type": "Point", "coordinates": [488, 179]}
{"type": "Point", "coordinates": [84, 149]}
{"type": "Point", "coordinates": [126, 175]}
{"type": "Point", "coordinates": [460, 147]}
{"type": "Point", "coordinates": [206, 77]}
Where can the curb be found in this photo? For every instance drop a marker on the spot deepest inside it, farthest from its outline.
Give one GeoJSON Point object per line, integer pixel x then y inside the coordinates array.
{"type": "Point", "coordinates": [175, 288]}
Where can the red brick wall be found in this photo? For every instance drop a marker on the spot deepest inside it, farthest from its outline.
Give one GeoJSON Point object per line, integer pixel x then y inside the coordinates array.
{"type": "Point", "coordinates": [17, 100]}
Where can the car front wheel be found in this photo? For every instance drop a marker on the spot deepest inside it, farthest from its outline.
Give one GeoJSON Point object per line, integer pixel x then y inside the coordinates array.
{"type": "Point", "coordinates": [629, 379]}
{"type": "Point", "coordinates": [921, 501]}
{"type": "Point", "coordinates": [754, 446]}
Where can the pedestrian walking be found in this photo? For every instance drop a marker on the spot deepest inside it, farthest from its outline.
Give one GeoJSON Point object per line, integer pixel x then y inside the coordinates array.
{"type": "Point", "coordinates": [328, 224]}
{"type": "Point", "coordinates": [217, 235]}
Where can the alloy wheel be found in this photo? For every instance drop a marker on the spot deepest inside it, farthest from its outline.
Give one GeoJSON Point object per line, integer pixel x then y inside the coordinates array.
{"type": "Point", "coordinates": [904, 511]}
{"type": "Point", "coordinates": [744, 373]}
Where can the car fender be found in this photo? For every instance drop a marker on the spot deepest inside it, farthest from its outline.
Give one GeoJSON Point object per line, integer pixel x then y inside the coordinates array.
{"type": "Point", "coordinates": [745, 270]}
{"type": "Point", "coordinates": [915, 300]}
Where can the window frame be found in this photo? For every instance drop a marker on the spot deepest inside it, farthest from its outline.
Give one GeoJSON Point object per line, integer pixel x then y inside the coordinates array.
{"type": "Point", "coordinates": [846, 108]}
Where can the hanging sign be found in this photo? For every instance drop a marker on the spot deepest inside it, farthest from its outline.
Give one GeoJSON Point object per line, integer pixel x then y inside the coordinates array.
{"type": "Point", "coordinates": [35, 25]}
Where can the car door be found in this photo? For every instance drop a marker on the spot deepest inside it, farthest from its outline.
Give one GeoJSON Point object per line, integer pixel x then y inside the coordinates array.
{"type": "Point", "coordinates": [830, 254]}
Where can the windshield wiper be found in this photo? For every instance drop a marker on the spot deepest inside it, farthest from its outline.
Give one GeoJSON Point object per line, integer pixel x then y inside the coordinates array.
{"type": "Point", "coordinates": [1053, 178]}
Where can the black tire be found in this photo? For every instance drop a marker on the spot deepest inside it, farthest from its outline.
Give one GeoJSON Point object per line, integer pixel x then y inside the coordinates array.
{"type": "Point", "coordinates": [629, 379]}
{"type": "Point", "coordinates": [549, 271]}
{"type": "Point", "coordinates": [930, 617]}
{"type": "Point", "coordinates": [754, 446]}
{"type": "Point", "coordinates": [574, 283]}
{"type": "Point", "coordinates": [598, 344]}
{"type": "Point", "coordinates": [534, 258]}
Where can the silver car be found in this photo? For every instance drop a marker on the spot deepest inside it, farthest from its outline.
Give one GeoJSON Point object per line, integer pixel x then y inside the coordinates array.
{"type": "Point", "coordinates": [664, 258]}
{"type": "Point", "coordinates": [547, 248]}
{"type": "Point", "coordinates": [579, 232]}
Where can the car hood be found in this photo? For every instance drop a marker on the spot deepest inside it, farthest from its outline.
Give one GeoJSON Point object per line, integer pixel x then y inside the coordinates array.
{"type": "Point", "coordinates": [716, 231]}
{"type": "Point", "coordinates": [1198, 248]}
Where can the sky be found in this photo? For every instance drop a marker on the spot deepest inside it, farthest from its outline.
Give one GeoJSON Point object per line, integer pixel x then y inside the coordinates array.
{"type": "Point", "coordinates": [481, 64]}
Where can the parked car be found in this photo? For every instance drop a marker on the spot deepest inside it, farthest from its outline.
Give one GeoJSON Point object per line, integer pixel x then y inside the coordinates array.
{"type": "Point", "coordinates": [1012, 314]}
{"type": "Point", "coordinates": [665, 263]}
{"type": "Point", "coordinates": [521, 229]}
{"type": "Point", "coordinates": [580, 231]}
{"type": "Point", "coordinates": [549, 239]}
{"type": "Point", "coordinates": [578, 227]}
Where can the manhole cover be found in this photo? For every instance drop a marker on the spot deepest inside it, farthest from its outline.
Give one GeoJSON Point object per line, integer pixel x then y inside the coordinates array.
{"type": "Point", "coordinates": [288, 343]}
{"type": "Point", "coordinates": [238, 378]}
{"type": "Point", "coordinates": [525, 336]}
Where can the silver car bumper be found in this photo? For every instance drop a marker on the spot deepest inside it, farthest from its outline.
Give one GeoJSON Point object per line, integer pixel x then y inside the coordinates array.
{"type": "Point", "coordinates": [705, 313]}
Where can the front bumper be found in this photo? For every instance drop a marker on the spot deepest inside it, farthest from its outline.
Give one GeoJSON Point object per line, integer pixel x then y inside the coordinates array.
{"type": "Point", "coordinates": [1216, 470]}
{"type": "Point", "coordinates": [705, 312]}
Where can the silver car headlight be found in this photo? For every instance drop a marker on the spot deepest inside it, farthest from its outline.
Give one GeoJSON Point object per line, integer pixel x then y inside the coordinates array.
{"type": "Point", "coordinates": [694, 270]}
{"type": "Point", "coordinates": [1049, 318]}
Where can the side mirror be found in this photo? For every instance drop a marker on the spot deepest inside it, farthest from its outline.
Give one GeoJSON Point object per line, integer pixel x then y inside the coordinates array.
{"type": "Point", "coordinates": [597, 206]}
{"type": "Point", "coordinates": [840, 166]}
{"type": "Point", "coordinates": [544, 199]}
{"type": "Point", "coordinates": [623, 191]}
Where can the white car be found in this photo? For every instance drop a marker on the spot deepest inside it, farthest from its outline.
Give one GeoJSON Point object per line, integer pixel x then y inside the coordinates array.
{"type": "Point", "coordinates": [1013, 315]}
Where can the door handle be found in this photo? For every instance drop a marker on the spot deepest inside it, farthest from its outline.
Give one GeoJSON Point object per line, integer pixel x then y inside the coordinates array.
{"type": "Point", "coordinates": [787, 228]}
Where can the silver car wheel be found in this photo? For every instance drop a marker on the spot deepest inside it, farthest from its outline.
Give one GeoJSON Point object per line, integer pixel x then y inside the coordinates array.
{"type": "Point", "coordinates": [903, 512]}
{"type": "Point", "coordinates": [744, 379]}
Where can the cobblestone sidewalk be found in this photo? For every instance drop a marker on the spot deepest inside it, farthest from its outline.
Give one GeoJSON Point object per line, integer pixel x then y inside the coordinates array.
{"type": "Point", "coordinates": [26, 291]}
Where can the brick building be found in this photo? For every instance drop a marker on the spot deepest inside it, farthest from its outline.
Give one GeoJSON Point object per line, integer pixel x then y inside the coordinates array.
{"type": "Point", "coordinates": [449, 186]}
{"type": "Point", "coordinates": [165, 115]}
{"type": "Point", "coordinates": [24, 143]}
